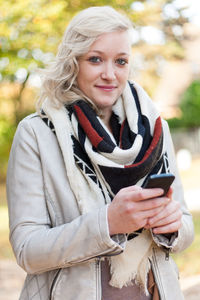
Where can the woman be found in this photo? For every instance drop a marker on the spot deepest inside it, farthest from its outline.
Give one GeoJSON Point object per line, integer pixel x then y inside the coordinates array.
{"type": "Point", "coordinates": [81, 225]}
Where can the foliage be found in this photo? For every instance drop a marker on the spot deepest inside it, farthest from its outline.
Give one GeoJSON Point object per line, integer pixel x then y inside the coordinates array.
{"type": "Point", "coordinates": [189, 107]}
{"type": "Point", "coordinates": [30, 32]}
{"type": "Point", "coordinates": [188, 261]}
{"type": "Point", "coordinates": [7, 131]}
{"type": "Point", "coordinates": [6, 250]}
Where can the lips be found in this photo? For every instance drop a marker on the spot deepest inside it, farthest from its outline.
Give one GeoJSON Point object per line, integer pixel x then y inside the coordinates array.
{"type": "Point", "coordinates": [107, 88]}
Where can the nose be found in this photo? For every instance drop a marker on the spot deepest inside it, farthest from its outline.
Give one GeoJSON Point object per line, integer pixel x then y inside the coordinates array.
{"type": "Point", "coordinates": [108, 72]}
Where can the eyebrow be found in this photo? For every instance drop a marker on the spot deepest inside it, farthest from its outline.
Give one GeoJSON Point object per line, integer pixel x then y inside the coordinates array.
{"type": "Point", "coordinates": [101, 52]}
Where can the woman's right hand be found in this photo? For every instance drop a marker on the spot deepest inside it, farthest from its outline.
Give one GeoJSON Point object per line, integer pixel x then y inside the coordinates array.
{"type": "Point", "coordinates": [132, 207]}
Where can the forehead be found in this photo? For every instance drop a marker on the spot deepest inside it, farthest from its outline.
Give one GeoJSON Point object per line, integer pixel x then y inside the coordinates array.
{"type": "Point", "coordinates": [115, 42]}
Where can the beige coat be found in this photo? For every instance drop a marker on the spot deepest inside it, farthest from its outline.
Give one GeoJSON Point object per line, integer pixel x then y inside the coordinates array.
{"type": "Point", "coordinates": [59, 248]}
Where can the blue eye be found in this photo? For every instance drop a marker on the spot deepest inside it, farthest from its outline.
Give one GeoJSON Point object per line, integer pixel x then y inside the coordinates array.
{"type": "Point", "coordinates": [121, 61]}
{"type": "Point", "coordinates": [94, 59]}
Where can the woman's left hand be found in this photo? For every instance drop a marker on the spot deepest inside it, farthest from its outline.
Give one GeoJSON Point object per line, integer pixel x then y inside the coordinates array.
{"type": "Point", "coordinates": [168, 220]}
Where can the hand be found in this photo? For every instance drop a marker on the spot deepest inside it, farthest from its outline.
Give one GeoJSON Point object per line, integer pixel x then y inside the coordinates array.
{"type": "Point", "coordinates": [168, 219]}
{"type": "Point", "coordinates": [133, 207]}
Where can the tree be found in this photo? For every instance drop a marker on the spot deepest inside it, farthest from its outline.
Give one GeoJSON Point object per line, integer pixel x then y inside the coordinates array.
{"type": "Point", "coordinates": [30, 32]}
{"type": "Point", "coordinates": [189, 108]}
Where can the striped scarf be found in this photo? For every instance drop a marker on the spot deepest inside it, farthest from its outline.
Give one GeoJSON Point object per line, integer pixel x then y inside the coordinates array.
{"type": "Point", "coordinates": [100, 163]}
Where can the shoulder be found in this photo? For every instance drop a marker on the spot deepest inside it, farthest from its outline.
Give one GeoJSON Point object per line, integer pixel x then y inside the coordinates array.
{"type": "Point", "coordinates": [30, 120]}
{"type": "Point", "coordinates": [33, 122]}
{"type": "Point", "coordinates": [168, 142]}
{"type": "Point", "coordinates": [165, 125]}
{"type": "Point", "coordinates": [166, 129]}
{"type": "Point", "coordinates": [32, 129]}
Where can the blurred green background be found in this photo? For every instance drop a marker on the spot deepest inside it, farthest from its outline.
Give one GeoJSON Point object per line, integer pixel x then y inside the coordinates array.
{"type": "Point", "coordinates": [30, 32]}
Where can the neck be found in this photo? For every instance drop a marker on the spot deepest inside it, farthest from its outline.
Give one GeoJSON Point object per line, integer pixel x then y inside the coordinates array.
{"type": "Point", "coordinates": [106, 119]}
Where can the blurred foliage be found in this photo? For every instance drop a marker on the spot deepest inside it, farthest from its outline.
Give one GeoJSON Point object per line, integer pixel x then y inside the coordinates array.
{"type": "Point", "coordinates": [7, 130]}
{"type": "Point", "coordinates": [189, 108]}
{"type": "Point", "coordinates": [188, 261]}
{"type": "Point", "coordinates": [30, 32]}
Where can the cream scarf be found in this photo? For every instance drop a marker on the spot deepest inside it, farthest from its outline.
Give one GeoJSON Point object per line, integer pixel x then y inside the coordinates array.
{"type": "Point", "coordinates": [93, 184]}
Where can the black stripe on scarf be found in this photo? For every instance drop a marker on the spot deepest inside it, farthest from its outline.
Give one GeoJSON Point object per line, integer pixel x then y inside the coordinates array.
{"type": "Point", "coordinates": [148, 158]}
{"type": "Point", "coordinates": [119, 178]}
{"type": "Point", "coordinates": [91, 126]}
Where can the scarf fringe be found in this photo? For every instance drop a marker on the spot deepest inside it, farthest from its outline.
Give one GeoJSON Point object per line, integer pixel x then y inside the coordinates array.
{"type": "Point", "coordinates": [134, 263]}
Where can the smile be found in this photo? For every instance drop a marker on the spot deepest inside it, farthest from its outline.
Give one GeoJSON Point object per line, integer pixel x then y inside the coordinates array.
{"type": "Point", "coordinates": [107, 88]}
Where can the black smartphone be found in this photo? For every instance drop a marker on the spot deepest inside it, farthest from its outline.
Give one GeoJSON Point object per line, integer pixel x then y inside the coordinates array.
{"type": "Point", "coordinates": [162, 181]}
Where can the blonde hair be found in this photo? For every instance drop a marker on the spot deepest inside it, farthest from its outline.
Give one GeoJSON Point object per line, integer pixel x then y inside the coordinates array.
{"type": "Point", "coordinates": [59, 79]}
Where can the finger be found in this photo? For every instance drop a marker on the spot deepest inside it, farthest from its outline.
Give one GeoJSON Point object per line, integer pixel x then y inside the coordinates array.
{"type": "Point", "coordinates": [169, 210]}
{"type": "Point", "coordinates": [170, 192]}
{"type": "Point", "coordinates": [169, 228]}
{"type": "Point", "coordinates": [174, 217]}
{"type": "Point", "coordinates": [144, 194]}
{"type": "Point", "coordinates": [131, 188]}
{"type": "Point", "coordinates": [146, 214]}
{"type": "Point", "coordinates": [152, 203]}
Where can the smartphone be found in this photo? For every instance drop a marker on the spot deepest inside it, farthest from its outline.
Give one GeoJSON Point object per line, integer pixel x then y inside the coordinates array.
{"type": "Point", "coordinates": [162, 181]}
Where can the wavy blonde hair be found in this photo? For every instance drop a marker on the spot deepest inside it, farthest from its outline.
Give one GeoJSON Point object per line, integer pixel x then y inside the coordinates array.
{"type": "Point", "coordinates": [59, 79]}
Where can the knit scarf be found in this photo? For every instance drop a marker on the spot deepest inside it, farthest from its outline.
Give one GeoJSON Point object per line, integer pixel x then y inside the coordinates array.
{"type": "Point", "coordinates": [100, 163]}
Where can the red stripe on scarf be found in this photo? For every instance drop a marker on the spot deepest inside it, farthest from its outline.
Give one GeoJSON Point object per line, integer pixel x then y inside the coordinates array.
{"type": "Point", "coordinates": [155, 140]}
{"type": "Point", "coordinates": [89, 130]}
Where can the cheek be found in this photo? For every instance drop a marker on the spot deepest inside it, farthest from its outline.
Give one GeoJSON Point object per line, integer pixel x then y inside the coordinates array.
{"type": "Point", "coordinates": [86, 75]}
{"type": "Point", "coordinates": [81, 79]}
{"type": "Point", "coordinates": [123, 75]}
{"type": "Point", "coordinates": [92, 73]}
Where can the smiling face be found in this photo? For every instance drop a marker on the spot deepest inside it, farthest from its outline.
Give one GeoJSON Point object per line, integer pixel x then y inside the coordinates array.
{"type": "Point", "coordinates": [104, 69]}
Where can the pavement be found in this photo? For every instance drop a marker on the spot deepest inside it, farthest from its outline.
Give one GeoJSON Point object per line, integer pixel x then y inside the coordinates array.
{"type": "Point", "coordinates": [11, 280]}
{"type": "Point", "coordinates": [191, 287]}
{"type": "Point", "coordinates": [192, 198]}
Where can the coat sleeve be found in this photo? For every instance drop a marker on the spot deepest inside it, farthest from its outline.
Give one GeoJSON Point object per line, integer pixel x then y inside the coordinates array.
{"type": "Point", "coordinates": [184, 237]}
{"type": "Point", "coordinates": [38, 246]}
